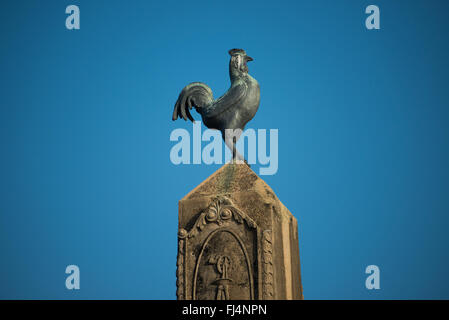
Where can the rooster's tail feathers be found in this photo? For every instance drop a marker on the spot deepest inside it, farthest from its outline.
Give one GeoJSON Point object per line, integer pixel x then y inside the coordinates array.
{"type": "Point", "coordinates": [196, 94]}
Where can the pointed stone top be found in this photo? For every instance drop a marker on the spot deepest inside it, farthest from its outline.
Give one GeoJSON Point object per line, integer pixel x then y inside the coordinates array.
{"type": "Point", "coordinates": [231, 178]}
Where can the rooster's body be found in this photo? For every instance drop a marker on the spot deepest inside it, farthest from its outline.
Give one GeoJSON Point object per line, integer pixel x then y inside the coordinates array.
{"type": "Point", "coordinates": [233, 110]}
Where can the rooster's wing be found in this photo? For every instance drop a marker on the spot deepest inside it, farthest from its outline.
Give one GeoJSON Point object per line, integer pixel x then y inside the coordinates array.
{"type": "Point", "coordinates": [232, 98]}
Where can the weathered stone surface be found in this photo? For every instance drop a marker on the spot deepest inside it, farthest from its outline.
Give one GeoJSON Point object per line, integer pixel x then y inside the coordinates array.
{"type": "Point", "coordinates": [236, 240]}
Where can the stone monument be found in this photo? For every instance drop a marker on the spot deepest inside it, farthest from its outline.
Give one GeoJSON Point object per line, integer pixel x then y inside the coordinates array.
{"type": "Point", "coordinates": [236, 241]}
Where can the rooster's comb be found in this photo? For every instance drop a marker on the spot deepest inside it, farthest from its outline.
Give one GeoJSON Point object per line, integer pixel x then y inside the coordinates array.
{"type": "Point", "coordinates": [235, 51]}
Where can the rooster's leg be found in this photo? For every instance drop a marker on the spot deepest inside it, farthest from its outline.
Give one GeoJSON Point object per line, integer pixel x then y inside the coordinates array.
{"type": "Point", "coordinates": [230, 138]}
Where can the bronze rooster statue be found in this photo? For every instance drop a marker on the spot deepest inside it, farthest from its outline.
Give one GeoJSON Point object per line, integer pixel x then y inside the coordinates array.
{"type": "Point", "coordinates": [233, 110]}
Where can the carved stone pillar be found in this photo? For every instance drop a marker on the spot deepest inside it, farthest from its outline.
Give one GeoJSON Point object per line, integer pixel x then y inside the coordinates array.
{"type": "Point", "coordinates": [236, 241]}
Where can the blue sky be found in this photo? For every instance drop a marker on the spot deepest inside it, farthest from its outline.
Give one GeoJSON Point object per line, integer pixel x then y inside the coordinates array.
{"type": "Point", "coordinates": [85, 120]}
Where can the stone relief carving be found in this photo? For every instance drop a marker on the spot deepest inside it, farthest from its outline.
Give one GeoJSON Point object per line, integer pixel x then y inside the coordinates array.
{"type": "Point", "coordinates": [220, 210]}
{"type": "Point", "coordinates": [222, 264]}
{"type": "Point", "coordinates": [223, 267]}
{"type": "Point", "coordinates": [180, 269]}
{"type": "Point", "coordinates": [223, 280]}
{"type": "Point", "coordinates": [267, 261]}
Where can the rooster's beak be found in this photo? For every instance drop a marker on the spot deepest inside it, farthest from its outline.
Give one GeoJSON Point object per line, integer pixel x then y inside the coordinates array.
{"type": "Point", "coordinates": [248, 58]}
